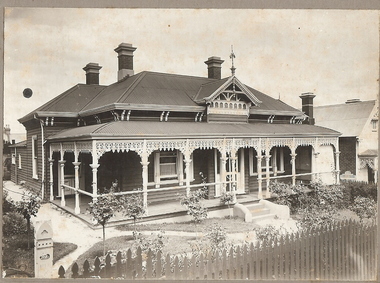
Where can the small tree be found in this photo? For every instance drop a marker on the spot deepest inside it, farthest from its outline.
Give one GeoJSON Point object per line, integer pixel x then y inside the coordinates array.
{"type": "Point", "coordinates": [102, 210]}
{"type": "Point", "coordinates": [194, 206]}
{"type": "Point", "coordinates": [133, 206]}
{"type": "Point", "coordinates": [228, 198]}
{"type": "Point", "coordinates": [28, 207]}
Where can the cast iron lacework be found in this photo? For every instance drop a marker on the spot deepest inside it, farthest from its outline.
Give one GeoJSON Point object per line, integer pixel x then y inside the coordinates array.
{"type": "Point", "coordinates": [145, 148]}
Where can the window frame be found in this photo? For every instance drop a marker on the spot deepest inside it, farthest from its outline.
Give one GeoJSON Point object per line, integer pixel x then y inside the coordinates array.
{"type": "Point", "coordinates": [277, 156]}
{"type": "Point", "coordinates": [19, 161]}
{"type": "Point", "coordinates": [35, 157]}
{"type": "Point", "coordinates": [178, 177]}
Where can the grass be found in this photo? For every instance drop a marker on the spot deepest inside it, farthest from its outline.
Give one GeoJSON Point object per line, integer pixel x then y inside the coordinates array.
{"type": "Point", "coordinates": [231, 225]}
{"type": "Point", "coordinates": [60, 250]}
{"type": "Point", "coordinates": [18, 258]}
{"type": "Point", "coordinates": [172, 245]}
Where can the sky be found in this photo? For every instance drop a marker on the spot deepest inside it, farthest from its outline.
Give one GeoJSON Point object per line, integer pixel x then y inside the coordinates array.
{"type": "Point", "coordinates": [283, 53]}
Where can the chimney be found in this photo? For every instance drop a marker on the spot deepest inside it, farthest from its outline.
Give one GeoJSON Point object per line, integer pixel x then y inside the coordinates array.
{"type": "Point", "coordinates": [307, 106]}
{"type": "Point", "coordinates": [125, 55]}
{"type": "Point", "coordinates": [7, 132]}
{"type": "Point", "coordinates": [214, 67]}
{"type": "Point", "coordinates": [92, 73]}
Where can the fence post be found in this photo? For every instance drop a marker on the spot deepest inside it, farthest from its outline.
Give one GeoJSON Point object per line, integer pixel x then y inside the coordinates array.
{"type": "Point", "coordinates": [158, 265]}
{"type": "Point", "coordinates": [118, 265]}
{"type": "Point", "coordinates": [86, 269]}
{"type": "Point", "coordinates": [128, 265]}
{"type": "Point", "coordinates": [97, 266]}
{"type": "Point", "coordinates": [138, 263]}
{"type": "Point", "coordinates": [61, 272]}
{"type": "Point", "coordinates": [149, 265]}
{"type": "Point", "coordinates": [75, 270]}
{"type": "Point", "coordinates": [168, 272]}
{"type": "Point", "coordinates": [185, 269]}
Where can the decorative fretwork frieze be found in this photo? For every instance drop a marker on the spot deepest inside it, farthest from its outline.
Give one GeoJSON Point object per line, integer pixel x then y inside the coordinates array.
{"type": "Point", "coordinates": [370, 161]}
{"type": "Point", "coordinates": [225, 145]}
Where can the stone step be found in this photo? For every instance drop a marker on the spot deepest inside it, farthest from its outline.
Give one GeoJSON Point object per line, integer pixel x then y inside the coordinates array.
{"type": "Point", "coordinates": [258, 209]}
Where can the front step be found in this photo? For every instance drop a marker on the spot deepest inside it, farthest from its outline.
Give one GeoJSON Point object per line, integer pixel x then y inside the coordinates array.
{"type": "Point", "coordinates": [254, 212]}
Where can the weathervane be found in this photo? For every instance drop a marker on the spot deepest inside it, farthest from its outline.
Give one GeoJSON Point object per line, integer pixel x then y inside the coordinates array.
{"type": "Point", "coordinates": [232, 56]}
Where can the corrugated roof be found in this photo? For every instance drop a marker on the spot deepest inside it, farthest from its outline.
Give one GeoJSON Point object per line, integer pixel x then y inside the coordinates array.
{"type": "Point", "coordinates": [151, 88]}
{"type": "Point", "coordinates": [349, 119]}
{"type": "Point", "coordinates": [209, 88]}
{"type": "Point", "coordinates": [19, 144]}
{"type": "Point", "coordinates": [269, 103]}
{"type": "Point", "coordinates": [368, 153]}
{"type": "Point", "coordinates": [72, 100]}
{"type": "Point", "coordinates": [148, 129]}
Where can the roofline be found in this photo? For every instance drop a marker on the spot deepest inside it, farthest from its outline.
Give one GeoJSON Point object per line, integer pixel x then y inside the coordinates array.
{"type": "Point", "coordinates": [95, 136]}
{"type": "Point", "coordinates": [43, 114]}
{"type": "Point", "coordinates": [275, 112]}
{"type": "Point", "coordinates": [142, 107]}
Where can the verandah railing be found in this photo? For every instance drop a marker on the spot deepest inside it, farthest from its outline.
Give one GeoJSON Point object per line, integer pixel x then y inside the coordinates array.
{"type": "Point", "coordinates": [341, 251]}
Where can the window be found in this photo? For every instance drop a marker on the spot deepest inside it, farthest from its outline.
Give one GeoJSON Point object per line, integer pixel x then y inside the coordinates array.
{"type": "Point", "coordinates": [169, 168]}
{"type": "Point", "coordinates": [19, 161]}
{"type": "Point", "coordinates": [168, 165]}
{"type": "Point", "coordinates": [374, 125]}
{"type": "Point", "coordinates": [34, 157]}
{"type": "Point", "coordinates": [276, 162]}
{"type": "Point", "coordinates": [13, 158]}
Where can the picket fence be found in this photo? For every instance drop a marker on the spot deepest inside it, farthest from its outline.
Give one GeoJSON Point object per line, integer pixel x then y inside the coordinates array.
{"type": "Point", "coordinates": [342, 251]}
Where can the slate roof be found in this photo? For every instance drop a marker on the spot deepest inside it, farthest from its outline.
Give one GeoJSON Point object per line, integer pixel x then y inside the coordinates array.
{"type": "Point", "coordinates": [349, 119]}
{"type": "Point", "coordinates": [149, 129]}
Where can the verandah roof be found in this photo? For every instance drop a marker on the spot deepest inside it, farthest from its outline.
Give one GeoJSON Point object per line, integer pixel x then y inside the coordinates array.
{"type": "Point", "coordinates": [148, 129]}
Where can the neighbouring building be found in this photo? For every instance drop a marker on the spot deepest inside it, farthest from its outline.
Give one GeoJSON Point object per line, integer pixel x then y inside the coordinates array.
{"type": "Point", "coordinates": [155, 133]}
{"type": "Point", "coordinates": [358, 122]}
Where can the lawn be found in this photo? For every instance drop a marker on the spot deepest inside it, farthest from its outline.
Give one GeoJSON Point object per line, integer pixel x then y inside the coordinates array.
{"type": "Point", "coordinates": [231, 225]}
{"type": "Point", "coordinates": [18, 260]}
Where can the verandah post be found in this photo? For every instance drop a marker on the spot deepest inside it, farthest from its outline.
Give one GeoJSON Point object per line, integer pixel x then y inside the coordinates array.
{"type": "Point", "coordinates": [51, 180]}
{"type": "Point", "coordinates": [259, 175]}
{"type": "Point", "coordinates": [145, 163]}
{"type": "Point", "coordinates": [62, 165]}
{"type": "Point", "coordinates": [77, 197]}
{"type": "Point", "coordinates": [337, 169]}
{"type": "Point", "coordinates": [95, 165]}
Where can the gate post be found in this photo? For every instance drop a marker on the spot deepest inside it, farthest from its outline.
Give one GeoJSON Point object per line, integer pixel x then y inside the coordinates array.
{"type": "Point", "coordinates": [43, 250]}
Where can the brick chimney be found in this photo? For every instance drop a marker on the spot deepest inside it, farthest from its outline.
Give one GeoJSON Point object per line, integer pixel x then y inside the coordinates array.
{"type": "Point", "coordinates": [307, 106]}
{"type": "Point", "coordinates": [214, 67]}
{"type": "Point", "coordinates": [125, 56]}
{"type": "Point", "coordinates": [92, 73]}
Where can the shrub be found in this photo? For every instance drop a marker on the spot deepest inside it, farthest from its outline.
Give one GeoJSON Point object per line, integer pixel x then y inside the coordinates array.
{"type": "Point", "coordinates": [365, 208]}
{"type": "Point", "coordinates": [268, 232]}
{"type": "Point", "coordinates": [14, 224]}
{"type": "Point", "coordinates": [352, 190]}
{"type": "Point", "coordinates": [292, 196]}
{"type": "Point", "coordinates": [8, 205]}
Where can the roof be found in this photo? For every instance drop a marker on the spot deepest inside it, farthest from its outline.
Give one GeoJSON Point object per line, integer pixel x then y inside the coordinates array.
{"type": "Point", "coordinates": [19, 144]}
{"type": "Point", "coordinates": [368, 153]}
{"type": "Point", "coordinates": [148, 129]}
{"type": "Point", "coordinates": [348, 118]}
{"type": "Point", "coordinates": [151, 88]}
{"type": "Point", "coordinates": [70, 101]}
{"type": "Point", "coordinates": [148, 91]}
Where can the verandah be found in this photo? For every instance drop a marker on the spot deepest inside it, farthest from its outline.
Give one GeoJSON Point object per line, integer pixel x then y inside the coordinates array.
{"type": "Point", "coordinates": [229, 167]}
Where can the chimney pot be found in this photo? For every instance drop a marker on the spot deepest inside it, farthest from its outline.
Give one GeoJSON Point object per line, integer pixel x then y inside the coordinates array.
{"type": "Point", "coordinates": [307, 106]}
{"type": "Point", "coordinates": [92, 73]}
{"type": "Point", "coordinates": [125, 56]}
{"type": "Point", "coordinates": [214, 67]}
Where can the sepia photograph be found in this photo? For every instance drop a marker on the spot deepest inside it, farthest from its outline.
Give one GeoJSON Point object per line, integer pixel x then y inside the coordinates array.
{"type": "Point", "coordinates": [190, 144]}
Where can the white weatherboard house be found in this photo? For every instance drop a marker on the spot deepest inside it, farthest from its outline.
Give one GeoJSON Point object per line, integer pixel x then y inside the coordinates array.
{"type": "Point", "coordinates": [358, 122]}
{"type": "Point", "coordinates": [156, 132]}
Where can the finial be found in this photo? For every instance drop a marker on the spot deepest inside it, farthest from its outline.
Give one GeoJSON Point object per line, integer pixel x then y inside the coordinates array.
{"type": "Point", "coordinates": [232, 56]}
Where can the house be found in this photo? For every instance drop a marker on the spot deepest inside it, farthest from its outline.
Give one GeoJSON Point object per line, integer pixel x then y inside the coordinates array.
{"type": "Point", "coordinates": [155, 133]}
{"type": "Point", "coordinates": [358, 122]}
{"type": "Point", "coordinates": [9, 140]}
